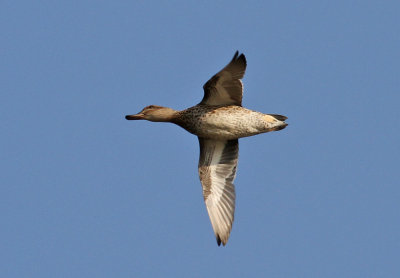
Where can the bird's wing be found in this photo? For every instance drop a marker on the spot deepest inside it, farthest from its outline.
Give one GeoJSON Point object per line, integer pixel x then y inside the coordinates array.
{"type": "Point", "coordinates": [217, 170]}
{"type": "Point", "coordinates": [226, 88]}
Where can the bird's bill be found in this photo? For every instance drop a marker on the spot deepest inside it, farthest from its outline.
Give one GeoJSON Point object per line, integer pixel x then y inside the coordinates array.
{"type": "Point", "coordinates": [138, 116]}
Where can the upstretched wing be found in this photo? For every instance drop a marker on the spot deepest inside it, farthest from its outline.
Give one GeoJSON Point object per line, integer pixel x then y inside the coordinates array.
{"type": "Point", "coordinates": [226, 88]}
{"type": "Point", "coordinates": [217, 170]}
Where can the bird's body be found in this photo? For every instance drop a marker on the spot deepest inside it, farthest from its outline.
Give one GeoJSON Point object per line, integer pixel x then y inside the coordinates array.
{"type": "Point", "coordinates": [225, 122]}
{"type": "Point", "coordinates": [219, 120]}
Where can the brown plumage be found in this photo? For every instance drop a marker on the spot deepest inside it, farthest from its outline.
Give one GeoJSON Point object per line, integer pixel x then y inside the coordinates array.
{"type": "Point", "coordinates": [219, 120]}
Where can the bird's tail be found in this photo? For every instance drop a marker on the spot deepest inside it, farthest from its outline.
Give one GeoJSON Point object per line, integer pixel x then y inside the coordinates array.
{"type": "Point", "coordinates": [281, 122]}
{"type": "Point", "coordinates": [278, 117]}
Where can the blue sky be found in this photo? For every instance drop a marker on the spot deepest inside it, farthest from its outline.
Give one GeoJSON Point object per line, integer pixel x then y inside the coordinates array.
{"type": "Point", "coordinates": [85, 193]}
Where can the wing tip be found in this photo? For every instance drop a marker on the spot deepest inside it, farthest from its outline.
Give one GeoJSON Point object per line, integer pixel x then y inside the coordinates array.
{"type": "Point", "coordinates": [239, 58]}
{"type": "Point", "coordinates": [223, 240]}
{"type": "Point", "coordinates": [236, 55]}
{"type": "Point", "coordinates": [219, 241]}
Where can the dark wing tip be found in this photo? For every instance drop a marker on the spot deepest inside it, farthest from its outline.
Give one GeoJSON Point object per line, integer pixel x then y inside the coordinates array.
{"type": "Point", "coordinates": [218, 241]}
{"type": "Point", "coordinates": [239, 58]}
{"type": "Point", "coordinates": [242, 59]}
{"type": "Point", "coordinates": [236, 55]}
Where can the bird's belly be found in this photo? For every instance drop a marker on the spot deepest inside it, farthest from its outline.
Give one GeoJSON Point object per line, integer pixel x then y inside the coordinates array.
{"type": "Point", "coordinates": [226, 123]}
{"type": "Point", "coordinates": [227, 127]}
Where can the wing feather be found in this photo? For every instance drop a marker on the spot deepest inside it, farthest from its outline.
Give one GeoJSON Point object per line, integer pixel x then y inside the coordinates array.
{"type": "Point", "coordinates": [225, 87]}
{"type": "Point", "coordinates": [217, 170]}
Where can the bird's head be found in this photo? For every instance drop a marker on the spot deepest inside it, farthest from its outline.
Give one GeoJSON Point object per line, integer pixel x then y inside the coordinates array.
{"type": "Point", "coordinates": [153, 113]}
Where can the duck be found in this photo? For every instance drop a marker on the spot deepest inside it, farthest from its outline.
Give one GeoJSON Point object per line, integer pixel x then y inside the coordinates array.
{"type": "Point", "coordinates": [218, 121]}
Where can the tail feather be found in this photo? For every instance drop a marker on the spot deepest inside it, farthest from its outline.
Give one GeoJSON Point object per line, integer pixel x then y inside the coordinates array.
{"type": "Point", "coordinates": [278, 117]}
{"type": "Point", "coordinates": [280, 127]}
